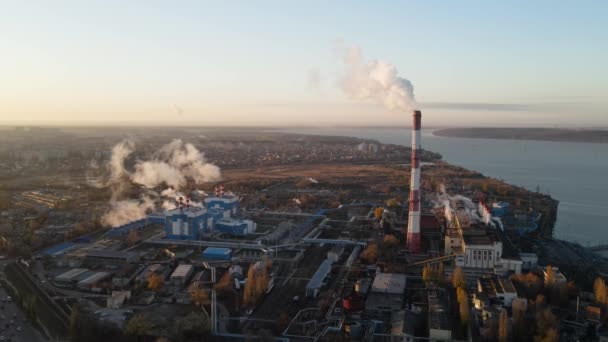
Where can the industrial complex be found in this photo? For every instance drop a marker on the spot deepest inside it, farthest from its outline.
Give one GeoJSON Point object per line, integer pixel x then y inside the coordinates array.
{"type": "Point", "coordinates": [358, 257]}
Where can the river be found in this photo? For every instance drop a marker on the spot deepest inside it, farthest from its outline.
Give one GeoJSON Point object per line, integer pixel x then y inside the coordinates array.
{"type": "Point", "coordinates": [573, 173]}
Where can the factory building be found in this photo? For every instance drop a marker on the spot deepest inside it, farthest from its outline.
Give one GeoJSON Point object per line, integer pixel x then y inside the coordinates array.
{"type": "Point", "coordinates": [225, 203]}
{"type": "Point", "coordinates": [235, 226]}
{"type": "Point", "coordinates": [182, 274]}
{"type": "Point", "coordinates": [185, 223]}
{"type": "Point", "coordinates": [70, 278]}
{"type": "Point", "coordinates": [189, 223]}
{"type": "Point", "coordinates": [481, 250]}
{"type": "Point", "coordinates": [386, 294]}
{"type": "Point", "coordinates": [93, 280]}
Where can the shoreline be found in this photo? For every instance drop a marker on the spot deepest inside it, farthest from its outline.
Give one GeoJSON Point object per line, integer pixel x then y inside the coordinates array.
{"type": "Point", "coordinates": [591, 136]}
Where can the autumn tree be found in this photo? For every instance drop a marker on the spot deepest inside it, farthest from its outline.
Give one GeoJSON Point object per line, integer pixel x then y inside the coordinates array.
{"type": "Point", "coordinates": [464, 308]}
{"type": "Point", "coordinates": [378, 212]}
{"type": "Point", "coordinates": [600, 291]}
{"type": "Point", "coordinates": [549, 277]}
{"type": "Point", "coordinates": [224, 283]}
{"type": "Point", "coordinates": [198, 295]}
{"type": "Point", "coordinates": [132, 237]}
{"type": "Point", "coordinates": [249, 293]}
{"type": "Point", "coordinates": [546, 326]}
{"type": "Point", "coordinates": [390, 241]}
{"type": "Point", "coordinates": [256, 283]}
{"type": "Point", "coordinates": [392, 202]}
{"type": "Point", "coordinates": [426, 273]}
{"type": "Point", "coordinates": [261, 280]}
{"type": "Point", "coordinates": [370, 253]}
{"type": "Point", "coordinates": [503, 326]}
{"type": "Point", "coordinates": [530, 283]}
{"type": "Point", "coordinates": [458, 278]}
{"type": "Point", "coordinates": [74, 322]}
{"type": "Point", "coordinates": [155, 281]}
{"type": "Point", "coordinates": [138, 326]}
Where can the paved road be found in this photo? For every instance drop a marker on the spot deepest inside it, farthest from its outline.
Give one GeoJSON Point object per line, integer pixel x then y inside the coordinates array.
{"type": "Point", "coordinates": [9, 311]}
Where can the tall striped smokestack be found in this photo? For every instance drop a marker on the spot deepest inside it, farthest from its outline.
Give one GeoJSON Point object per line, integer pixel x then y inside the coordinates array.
{"type": "Point", "coordinates": [413, 221]}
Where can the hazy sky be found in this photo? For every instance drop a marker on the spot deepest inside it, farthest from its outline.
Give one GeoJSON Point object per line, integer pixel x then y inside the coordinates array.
{"type": "Point", "coordinates": [273, 62]}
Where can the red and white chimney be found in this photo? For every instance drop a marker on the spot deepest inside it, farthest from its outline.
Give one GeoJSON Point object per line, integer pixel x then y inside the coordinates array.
{"type": "Point", "coordinates": [413, 221]}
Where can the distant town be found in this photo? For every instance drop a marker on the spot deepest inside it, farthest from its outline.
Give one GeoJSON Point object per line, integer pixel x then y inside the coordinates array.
{"type": "Point", "coordinates": [187, 234]}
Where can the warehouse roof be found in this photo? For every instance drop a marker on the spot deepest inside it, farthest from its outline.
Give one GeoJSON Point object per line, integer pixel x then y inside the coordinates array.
{"type": "Point", "coordinates": [393, 283]}
{"type": "Point", "coordinates": [181, 271]}
{"type": "Point", "coordinates": [94, 278]}
{"type": "Point", "coordinates": [69, 275]}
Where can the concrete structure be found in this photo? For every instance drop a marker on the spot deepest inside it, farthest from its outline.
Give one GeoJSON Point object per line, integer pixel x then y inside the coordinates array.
{"type": "Point", "coordinates": [182, 274]}
{"type": "Point", "coordinates": [316, 282]}
{"type": "Point", "coordinates": [386, 293]}
{"type": "Point", "coordinates": [235, 226]}
{"type": "Point", "coordinates": [413, 221]}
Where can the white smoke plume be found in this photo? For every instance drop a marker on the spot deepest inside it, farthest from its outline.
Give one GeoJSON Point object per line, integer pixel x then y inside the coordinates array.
{"type": "Point", "coordinates": [126, 211]}
{"type": "Point", "coordinates": [375, 80]}
{"type": "Point", "coordinates": [468, 212]}
{"type": "Point", "coordinates": [120, 152]}
{"type": "Point", "coordinates": [173, 165]}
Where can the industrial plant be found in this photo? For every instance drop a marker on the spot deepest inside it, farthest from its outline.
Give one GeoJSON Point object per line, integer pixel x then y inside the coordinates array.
{"type": "Point", "coordinates": [341, 249]}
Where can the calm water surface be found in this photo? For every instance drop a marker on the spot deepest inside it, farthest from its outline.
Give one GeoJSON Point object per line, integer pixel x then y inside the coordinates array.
{"type": "Point", "coordinates": [574, 173]}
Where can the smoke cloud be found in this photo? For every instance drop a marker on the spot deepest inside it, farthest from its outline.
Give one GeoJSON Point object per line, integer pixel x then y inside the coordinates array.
{"type": "Point", "coordinates": [172, 165]}
{"type": "Point", "coordinates": [175, 162]}
{"type": "Point", "coordinates": [120, 152]}
{"type": "Point", "coordinates": [126, 211]}
{"type": "Point", "coordinates": [375, 80]}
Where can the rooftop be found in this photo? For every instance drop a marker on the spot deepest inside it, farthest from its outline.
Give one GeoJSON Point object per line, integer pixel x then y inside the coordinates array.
{"type": "Point", "coordinates": [181, 271]}
{"type": "Point", "coordinates": [317, 279]}
{"type": "Point", "coordinates": [392, 283]}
